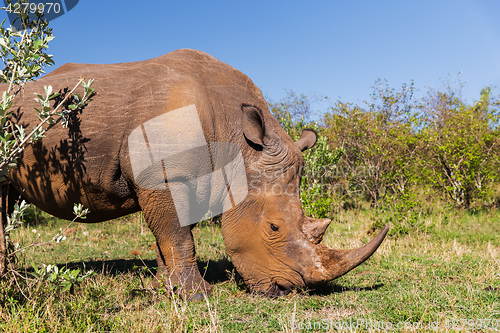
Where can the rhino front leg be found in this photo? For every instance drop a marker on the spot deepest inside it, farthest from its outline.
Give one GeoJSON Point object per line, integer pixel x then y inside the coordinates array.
{"type": "Point", "coordinates": [175, 251]}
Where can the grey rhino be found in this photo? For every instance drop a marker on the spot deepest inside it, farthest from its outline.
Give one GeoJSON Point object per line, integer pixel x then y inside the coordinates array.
{"type": "Point", "coordinates": [97, 162]}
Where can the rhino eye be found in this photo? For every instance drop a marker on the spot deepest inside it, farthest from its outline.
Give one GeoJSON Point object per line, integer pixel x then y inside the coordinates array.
{"type": "Point", "coordinates": [274, 227]}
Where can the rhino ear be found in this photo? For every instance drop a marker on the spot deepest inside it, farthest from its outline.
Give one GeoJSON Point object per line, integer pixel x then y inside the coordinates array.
{"type": "Point", "coordinates": [307, 139]}
{"type": "Point", "coordinates": [253, 125]}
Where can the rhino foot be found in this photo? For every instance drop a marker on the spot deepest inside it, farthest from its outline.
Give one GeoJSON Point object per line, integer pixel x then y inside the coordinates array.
{"type": "Point", "coordinates": [188, 287]}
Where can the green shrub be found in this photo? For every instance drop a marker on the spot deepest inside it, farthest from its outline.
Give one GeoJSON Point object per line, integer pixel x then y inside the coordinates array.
{"type": "Point", "coordinates": [461, 145]}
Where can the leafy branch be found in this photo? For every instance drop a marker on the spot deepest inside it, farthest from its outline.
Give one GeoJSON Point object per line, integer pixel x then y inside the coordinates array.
{"type": "Point", "coordinates": [24, 55]}
{"type": "Point", "coordinates": [13, 142]}
{"type": "Point", "coordinates": [79, 211]}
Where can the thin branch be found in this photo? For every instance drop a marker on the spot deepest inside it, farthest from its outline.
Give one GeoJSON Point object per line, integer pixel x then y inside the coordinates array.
{"type": "Point", "coordinates": [56, 236]}
{"type": "Point", "coordinates": [16, 64]}
{"type": "Point", "coordinates": [19, 147]}
{"type": "Point", "coordinates": [19, 287]}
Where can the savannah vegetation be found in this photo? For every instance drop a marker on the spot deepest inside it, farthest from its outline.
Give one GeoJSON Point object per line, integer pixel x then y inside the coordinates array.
{"type": "Point", "coordinates": [424, 162]}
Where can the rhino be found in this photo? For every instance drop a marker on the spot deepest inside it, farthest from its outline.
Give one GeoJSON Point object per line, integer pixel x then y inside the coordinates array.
{"type": "Point", "coordinates": [147, 142]}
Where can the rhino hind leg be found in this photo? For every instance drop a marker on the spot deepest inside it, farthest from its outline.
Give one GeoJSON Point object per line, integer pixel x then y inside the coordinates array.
{"type": "Point", "coordinates": [175, 251]}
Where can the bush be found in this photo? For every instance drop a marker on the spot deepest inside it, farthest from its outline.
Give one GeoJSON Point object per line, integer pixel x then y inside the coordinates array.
{"type": "Point", "coordinates": [24, 54]}
{"type": "Point", "coordinates": [378, 144]}
{"type": "Point", "coordinates": [460, 154]}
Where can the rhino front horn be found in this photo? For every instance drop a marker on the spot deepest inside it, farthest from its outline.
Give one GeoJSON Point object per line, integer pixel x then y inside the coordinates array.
{"type": "Point", "coordinates": [335, 263]}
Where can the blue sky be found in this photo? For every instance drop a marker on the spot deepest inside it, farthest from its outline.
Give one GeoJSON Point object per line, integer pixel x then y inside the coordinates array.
{"type": "Point", "coordinates": [333, 48]}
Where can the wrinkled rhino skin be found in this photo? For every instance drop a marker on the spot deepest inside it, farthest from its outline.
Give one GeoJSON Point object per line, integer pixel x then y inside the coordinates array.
{"type": "Point", "coordinates": [273, 245]}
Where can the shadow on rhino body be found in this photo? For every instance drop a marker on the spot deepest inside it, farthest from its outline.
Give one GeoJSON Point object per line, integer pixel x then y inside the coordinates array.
{"type": "Point", "coordinates": [67, 157]}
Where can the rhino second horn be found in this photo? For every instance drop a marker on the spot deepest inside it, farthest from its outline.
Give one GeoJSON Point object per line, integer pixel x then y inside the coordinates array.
{"type": "Point", "coordinates": [338, 262]}
{"type": "Point", "coordinates": [315, 229]}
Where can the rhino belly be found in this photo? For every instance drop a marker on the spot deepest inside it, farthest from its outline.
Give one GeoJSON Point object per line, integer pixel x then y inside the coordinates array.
{"type": "Point", "coordinates": [54, 184]}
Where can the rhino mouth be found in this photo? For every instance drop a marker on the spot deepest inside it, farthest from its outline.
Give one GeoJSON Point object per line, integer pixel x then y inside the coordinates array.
{"type": "Point", "coordinates": [277, 290]}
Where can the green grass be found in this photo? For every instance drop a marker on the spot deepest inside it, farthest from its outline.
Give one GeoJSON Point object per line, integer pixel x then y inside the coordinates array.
{"type": "Point", "coordinates": [447, 274]}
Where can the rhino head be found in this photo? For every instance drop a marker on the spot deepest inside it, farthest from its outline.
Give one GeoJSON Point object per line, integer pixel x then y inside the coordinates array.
{"type": "Point", "coordinates": [274, 245]}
